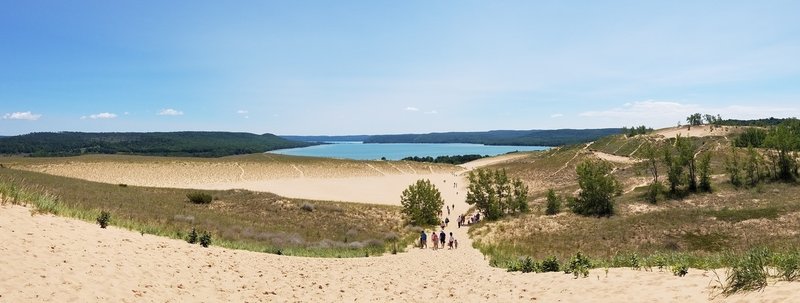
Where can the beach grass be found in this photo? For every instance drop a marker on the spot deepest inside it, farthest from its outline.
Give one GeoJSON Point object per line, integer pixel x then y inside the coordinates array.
{"type": "Point", "coordinates": [235, 218]}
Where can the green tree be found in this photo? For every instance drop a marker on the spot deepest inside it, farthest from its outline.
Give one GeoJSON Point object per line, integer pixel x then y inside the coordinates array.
{"type": "Point", "coordinates": [650, 153]}
{"type": "Point", "coordinates": [687, 151]}
{"type": "Point", "coordinates": [694, 119]}
{"type": "Point", "coordinates": [495, 194]}
{"type": "Point", "coordinates": [704, 169]}
{"type": "Point", "coordinates": [674, 169]}
{"type": "Point", "coordinates": [753, 167]}
{"type": "Point", "coordinates": [785, 139]}
{"type": "Point", "coordinates": [598, 188]}
{"type": "Point", "coordinates": [553, 203]}
{"type": "Point", "coordinates": [421, 203]}
{"type": "Point", "coordinates": [733, 168]}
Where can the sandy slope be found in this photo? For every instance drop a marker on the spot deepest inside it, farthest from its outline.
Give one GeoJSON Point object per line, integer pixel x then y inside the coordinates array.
{"type": "Point", "coordinates": [696, 131]}
{"type": "Point", "coordinates": [53, 259]}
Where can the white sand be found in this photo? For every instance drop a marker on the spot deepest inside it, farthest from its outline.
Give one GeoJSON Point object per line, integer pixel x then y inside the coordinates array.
{"type": "Point", "coordinates": [695, 131]}
{"type": "Point", "coordinates": [53, 259]}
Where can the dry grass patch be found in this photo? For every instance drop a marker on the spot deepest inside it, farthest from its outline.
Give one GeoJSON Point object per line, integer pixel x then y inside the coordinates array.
{"type": "Point", "coordinates": [235, 218]}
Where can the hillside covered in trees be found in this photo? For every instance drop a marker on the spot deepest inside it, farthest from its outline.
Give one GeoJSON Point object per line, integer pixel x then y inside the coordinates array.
{"type": "Point", "coordinates": [554, 137]}
{"type": "Point", "coordinates": [195, 144]}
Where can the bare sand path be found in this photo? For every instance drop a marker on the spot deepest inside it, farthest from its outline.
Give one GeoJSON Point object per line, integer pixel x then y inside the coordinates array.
{"type": "Point", "coordinates": [54, 259]}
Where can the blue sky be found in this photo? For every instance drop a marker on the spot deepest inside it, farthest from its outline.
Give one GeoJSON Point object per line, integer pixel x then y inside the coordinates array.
{"type": "Point", "coordinates": [372, 67]}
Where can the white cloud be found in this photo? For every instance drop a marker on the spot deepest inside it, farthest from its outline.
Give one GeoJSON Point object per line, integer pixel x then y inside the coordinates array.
{"type": "Point", "coordinates": [669, 113]}
{"type": "Point", "coordinates": [242, 112]}
{"type": "Point", "coordinates": [412, 109]}
{"type": "Point", "coordinates": [170, 112]}
{"type": "Point", "coordinates": [22, 116]}
{"type": "Point", "coordinates": [100, 116]}
{"type": "Point", "coordinates": [648, 108]}
{"type": "Point", "coordinates": [556, 115]}
{"type": "Point", "coordinates": [126, 113]}
{"type": "Point", "coordinates": [433, 112]}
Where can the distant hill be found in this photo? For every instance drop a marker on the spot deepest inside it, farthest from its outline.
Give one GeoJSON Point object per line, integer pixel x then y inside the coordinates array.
{"type": "Point", "coordinates": [195, 144]}
{"type": "Point", "coordinates": [553, 137]}
{"type": "Point", "coordinates": [754, 122]}
{"type": "Point", "coordinates": [352, 138]}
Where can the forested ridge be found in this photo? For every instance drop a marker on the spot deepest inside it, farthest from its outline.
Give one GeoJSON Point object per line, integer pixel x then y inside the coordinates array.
{"type": "Point", "coordinates": [554, 137]}
{"type": "Point", "coordinates": [188, 143]}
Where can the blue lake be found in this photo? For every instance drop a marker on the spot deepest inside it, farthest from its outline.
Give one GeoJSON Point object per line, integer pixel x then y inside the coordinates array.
{"type": "Point", "coordinates": [397, 151]}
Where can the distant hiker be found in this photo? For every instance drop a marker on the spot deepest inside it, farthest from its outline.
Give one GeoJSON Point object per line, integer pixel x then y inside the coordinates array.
{"type": "Point", "coordinates": [446, 221]}
{"type": "Point", "coordinates": [435, 239]}
{"type": "Point", "coordinates": [448, 210]}
{"type": "Point", "coordinates": [450, 242]}
{"type": "Point", "coordinates": [423, 240]}
{"type": "Point", "coordinates": [442, 238]}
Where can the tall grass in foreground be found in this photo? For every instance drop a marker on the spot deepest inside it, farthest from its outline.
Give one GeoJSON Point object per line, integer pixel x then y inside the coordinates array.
{"type": "Point", "coordinates": [747, 271]}
{"type": "Point", "coordinates": [236, 219]}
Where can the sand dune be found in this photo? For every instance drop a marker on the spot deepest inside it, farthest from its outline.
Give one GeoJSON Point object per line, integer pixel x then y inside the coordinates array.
{"type": "Point", "coordinates": [53, 259]}
{"type": "Point", "coordinates": [695, 131]}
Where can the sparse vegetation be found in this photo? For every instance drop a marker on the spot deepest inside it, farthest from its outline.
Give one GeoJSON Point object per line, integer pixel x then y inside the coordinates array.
{"type": "Point", "coordinates": [103, 219]}
{"type": "Point", "coordinates": [199, 197]}
{"type": "Point", "coordinates": [243, 220]}
{"type": "Point", "coordinates": [455, 160]}
{"type": "Point", "coordinates": [637, 130]}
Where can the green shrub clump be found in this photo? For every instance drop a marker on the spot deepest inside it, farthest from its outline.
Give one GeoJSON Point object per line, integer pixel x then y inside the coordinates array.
{"type": "Point", "coordinates": [579, 266]}
{"type": "Point", "coordinates": [680, 270]}
{"type": "Point", "coordinates": [205, 239]}
{"type": "Point", "coordinates": [553, 203]}
{"type": "Point", "coordinates": [550, 264]}
{"type": "Point", "coordinates": [192, 238]}
{"type": "Point", "coordinates": [103, 219]}
{"type": "Point", "coordinates": [199, 197]}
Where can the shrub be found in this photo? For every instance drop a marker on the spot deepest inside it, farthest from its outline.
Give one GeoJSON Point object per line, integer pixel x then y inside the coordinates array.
{"type": "Point", "coordinates": [103, 219]}
{"type": "Point", "coordinates": [199, 197]}
{"type": "Point", "coordinates": [680, 270]}
{"type": "Point", "coordinates": [528, 265]}
{"type": "Point", "coordinates": [550, 264]}
{"type": "Point", "coordinates": [579, 266]}
{"type": "Point", "coordinates": [307, 207]}
{"type": "Point", "coordinates": [205, 239]}
{"type": "Point", "coordinates": [553, 203]}
{"type": "Point", "coordinates": [192, 237]}
{"type": "Point", "coordinates": [123, 185]}
{"type": "Point", "coordinates": [749, 272]}
{"type": "Point", "coordinates": [653, 190]}
{"type": "Point", "coordinates": [598, 188]}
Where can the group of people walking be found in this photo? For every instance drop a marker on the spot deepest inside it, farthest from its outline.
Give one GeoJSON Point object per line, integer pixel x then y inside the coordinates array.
{"type": "Point", "coordinates": [438, 240]}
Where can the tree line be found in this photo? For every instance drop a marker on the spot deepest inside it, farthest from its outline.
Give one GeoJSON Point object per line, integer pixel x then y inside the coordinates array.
{"type": "Point", "coordinates": [195, 144]}
{"type": "Point", "coordinates": [455, 160]}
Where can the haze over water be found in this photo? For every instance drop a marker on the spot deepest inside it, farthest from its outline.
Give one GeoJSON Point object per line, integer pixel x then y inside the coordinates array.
{"type": "Point", "coordinates": [397, 151]}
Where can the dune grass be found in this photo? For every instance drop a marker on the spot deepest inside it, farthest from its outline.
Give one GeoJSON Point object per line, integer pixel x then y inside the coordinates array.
{"type": "Point", "coordinates": [235, 218]}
